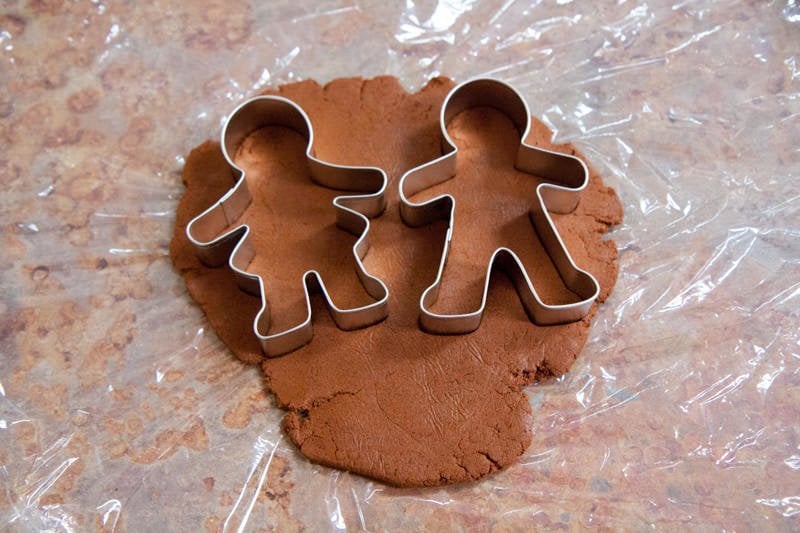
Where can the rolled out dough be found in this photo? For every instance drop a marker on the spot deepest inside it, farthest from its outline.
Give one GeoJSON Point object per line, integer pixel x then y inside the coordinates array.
{"type": "Point", "coordinates": [392, 402]}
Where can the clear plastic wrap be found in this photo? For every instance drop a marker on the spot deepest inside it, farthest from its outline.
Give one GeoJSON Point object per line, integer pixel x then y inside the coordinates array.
{"type": "Point", "coordinates": [119, 411]}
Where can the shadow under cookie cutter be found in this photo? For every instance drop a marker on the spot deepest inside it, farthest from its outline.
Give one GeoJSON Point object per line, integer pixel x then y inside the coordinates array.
{"type": "Point", "coordinates": [570, 176]}
{"type": "Point", "coordinates": [216, 239]}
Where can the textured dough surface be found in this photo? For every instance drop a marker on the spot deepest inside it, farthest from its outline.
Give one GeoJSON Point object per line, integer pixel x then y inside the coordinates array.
{"type": "Point", "coordinates": [391, 402]}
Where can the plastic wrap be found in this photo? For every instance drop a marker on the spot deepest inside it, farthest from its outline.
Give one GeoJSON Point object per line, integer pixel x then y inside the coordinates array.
{"type": "Point", "coordinates": [119, 411]}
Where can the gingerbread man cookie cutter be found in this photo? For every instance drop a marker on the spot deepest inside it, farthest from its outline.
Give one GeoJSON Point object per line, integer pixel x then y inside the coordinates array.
{"type": "Point", "coordinates": [218, 239]}
{"type": "Point", "coordinates": [567, 176]}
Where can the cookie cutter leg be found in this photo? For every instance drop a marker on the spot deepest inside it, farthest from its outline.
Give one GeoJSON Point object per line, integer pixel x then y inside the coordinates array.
{"type": "Point", "coordinates": [568, 176]}
{"type": "Point", "coordinates": [216, 238]}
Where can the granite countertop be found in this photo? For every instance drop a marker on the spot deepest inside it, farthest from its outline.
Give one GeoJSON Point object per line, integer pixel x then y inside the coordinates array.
{"type": "Point", "coordinates": [120, 410]}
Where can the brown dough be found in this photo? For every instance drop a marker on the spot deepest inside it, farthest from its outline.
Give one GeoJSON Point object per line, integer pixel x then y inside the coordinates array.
{"type": "Point", "coordinates": [392, 402]}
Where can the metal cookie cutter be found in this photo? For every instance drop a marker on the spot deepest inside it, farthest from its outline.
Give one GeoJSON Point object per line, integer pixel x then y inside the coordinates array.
{"type": "Point", "coordinates": [216, 239]}
{"type": "Point", "coordinates": [570, 176]}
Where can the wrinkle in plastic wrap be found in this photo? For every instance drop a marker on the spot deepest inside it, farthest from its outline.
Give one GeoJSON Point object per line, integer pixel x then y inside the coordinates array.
{"type": "Point", "coordinates": [118, 410]}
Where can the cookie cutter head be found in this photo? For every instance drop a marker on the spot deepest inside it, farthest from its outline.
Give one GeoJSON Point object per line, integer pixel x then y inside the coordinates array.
{"type": "Point", "coordinates": [566, 177]}
{"type": "Point", "coordinates": [217, 238]}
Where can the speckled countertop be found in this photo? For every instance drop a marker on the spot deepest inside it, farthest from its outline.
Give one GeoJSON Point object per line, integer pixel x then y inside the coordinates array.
{"type": "Point", "coordinates": [119, 410]}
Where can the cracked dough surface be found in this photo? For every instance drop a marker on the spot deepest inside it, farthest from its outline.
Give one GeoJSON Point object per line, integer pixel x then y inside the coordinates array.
{"type": "Point", "coordinates": [391, 402]}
